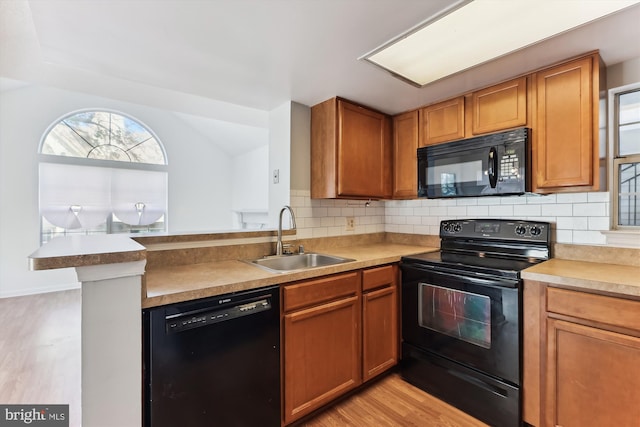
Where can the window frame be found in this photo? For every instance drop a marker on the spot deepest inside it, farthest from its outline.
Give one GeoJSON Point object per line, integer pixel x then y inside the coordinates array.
{"type": "Point", "coordinates": [615, 158]}
{"type": "Point", "coordinates": [110, 162]}
{"type": "Point", "coordinates": [108, 226]}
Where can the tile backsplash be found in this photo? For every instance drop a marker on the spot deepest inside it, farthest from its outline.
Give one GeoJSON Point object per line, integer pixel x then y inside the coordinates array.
{"type": "Point", "coordinates": [577, 218]}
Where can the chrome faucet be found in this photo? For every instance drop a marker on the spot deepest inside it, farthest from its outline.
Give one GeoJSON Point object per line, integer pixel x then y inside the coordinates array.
{"type": "Point", "coordinates": [293, 225]}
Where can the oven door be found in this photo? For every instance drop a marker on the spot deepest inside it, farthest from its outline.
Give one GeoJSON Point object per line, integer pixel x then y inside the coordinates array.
{"type": "Point", "coordinates": [471, 320]}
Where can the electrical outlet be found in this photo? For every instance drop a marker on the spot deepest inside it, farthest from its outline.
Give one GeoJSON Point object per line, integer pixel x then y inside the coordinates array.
{"type": "Point", "coordinates": [351, 223]}
{"type": "Point", "coordinates": [276, 176]}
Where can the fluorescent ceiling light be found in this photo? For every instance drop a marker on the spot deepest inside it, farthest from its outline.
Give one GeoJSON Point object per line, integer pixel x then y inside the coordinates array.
{"type": "Point", "coordinates": [472, 32]}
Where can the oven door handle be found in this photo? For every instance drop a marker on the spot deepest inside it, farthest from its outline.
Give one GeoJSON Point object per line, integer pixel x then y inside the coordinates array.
{"type": "Point", "coordinates": [493, 282]}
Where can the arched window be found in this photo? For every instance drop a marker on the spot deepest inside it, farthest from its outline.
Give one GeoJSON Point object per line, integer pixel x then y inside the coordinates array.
{"type": "Point", "coordinates": [103, 135]}
{"type": "Point", "coordinates": [101, 172]}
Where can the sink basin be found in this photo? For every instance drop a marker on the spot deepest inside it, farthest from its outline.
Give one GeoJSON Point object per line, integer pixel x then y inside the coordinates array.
{"type": "Point", "coordinates": [288, 263]}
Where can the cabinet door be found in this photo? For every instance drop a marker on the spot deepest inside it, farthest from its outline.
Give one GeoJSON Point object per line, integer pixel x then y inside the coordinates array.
{"type": "Point", "coordinates": [500, 107]}
{"type": "Point", "coordinates": [593, 378]}
{"type": "Point", "coordinates": [379, 331]}
{"type": "Point", "coordinates": [565, 150]}
{"type": "Point", "coordinates": [405, 146]}
{"type": "Point", "coordinates": [442, 122]}
{"type": "Point", "coordinates": [364, 152]}
{"type": "Point", "coordinates": [321, 355]}
{"type": "Point", "coordinates": [533, 333]}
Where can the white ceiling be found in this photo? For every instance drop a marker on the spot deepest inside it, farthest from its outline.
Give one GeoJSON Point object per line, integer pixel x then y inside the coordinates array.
{"type": "Point", "coordinates": [249, 55]}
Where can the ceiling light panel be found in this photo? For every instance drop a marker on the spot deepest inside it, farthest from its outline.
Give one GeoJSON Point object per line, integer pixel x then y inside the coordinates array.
{"type": "Point", "coordinates": [474, 32]}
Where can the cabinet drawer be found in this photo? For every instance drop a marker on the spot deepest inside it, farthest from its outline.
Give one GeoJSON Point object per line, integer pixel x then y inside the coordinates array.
{"type": "Point", "coordinates": [326, 289]}
{"type": "Point", "coordinates": [619, 312]}
{"type": "Point", "coordinates": [378, 277]}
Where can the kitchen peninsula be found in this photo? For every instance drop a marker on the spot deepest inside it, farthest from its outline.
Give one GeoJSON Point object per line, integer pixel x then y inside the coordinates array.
{"type": "Point", "coordinates": [115, 288]}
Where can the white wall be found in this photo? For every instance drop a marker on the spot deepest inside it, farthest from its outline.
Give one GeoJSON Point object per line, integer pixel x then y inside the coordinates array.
{"type": "Point", "coordinates": [280, 120]}
{"type": "Point", "coordinates": [250, 182]}
{"type": "Point", "coordinates": [623, 73]}
{"type": "Point", "coordinates": [300, 147]}
{"type": "Point", "coordinates": [24, 116]}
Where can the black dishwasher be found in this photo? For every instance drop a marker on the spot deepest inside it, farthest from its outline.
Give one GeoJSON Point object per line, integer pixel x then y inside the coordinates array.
{"type": "Point", "coordinates": [213, 361]}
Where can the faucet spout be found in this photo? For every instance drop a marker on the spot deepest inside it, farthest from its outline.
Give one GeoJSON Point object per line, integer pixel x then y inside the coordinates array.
{"type": "Point", "coordinates": [293, 227]}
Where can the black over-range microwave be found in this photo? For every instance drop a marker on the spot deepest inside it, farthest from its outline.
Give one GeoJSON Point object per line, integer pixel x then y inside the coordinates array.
{"type": "Point", "coordinates": [488, 165]}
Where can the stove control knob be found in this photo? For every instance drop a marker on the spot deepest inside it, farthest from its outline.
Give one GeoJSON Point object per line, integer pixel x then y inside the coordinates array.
{"type": "Point", "coordinates": [521, 230]}
{"type": "Point", "coordinates": [535, 230]}
{"type": "Point", "coordinates": [446, 227]}
{"type": "Point", "coordinates": [457, 227]}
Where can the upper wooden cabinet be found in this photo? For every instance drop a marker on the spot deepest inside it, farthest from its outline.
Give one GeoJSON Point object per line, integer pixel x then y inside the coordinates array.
{"type": "Point", "coordinates": [350, 151]}
{"type": "Point", "coordinates": [405, 146]}
{"type": "Point", "coordinates": [442, 122]}
{"type": "Point", "coordinates": [499, 107]}
{"type": "Point", "coordinates": [565, 143]}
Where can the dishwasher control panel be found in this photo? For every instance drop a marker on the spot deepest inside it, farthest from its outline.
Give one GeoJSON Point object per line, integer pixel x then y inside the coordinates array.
{"type": "Point", "coordinates": [185, 321]}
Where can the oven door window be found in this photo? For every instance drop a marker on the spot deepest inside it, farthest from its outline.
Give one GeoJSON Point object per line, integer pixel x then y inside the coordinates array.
{"type": "Point", "coordinates": [459, 314]}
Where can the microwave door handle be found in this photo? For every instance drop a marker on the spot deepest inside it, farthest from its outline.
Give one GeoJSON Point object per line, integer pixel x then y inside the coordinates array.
{"type": "Point", "coordinates": [493, 167]}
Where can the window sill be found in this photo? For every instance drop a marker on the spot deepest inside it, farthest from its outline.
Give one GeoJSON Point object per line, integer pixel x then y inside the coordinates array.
{"type": "Point", "coordinates": [623, 238]}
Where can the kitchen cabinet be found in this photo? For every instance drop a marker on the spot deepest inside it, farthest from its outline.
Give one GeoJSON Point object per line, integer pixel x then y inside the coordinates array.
{"type": "Point", "coordinates": [442, 122]}
{"type": "Point", "coordinates": [499, 107]}
{"type": "Point", "coordinates": [338, 332]}
{"type": "Point", "coordinates": [321, 342]}
{"type": "Point", "coordinates": [351, 153]}
{"type": "Point", "coordinates": [565, 144]}
{"type": "Point", "coordinates": [379, 320]}
{"type": "Point", "coordinates": [405, 146]}
{"type": "Point", "coordinates": [581, 358]}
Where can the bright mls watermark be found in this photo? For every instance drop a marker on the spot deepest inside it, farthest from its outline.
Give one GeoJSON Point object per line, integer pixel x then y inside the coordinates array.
{"type": "Point", "coordinates": [34, 415]}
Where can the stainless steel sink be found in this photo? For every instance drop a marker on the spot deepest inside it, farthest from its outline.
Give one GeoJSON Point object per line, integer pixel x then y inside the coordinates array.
{"type": "Point", "coordinates": [288, 263]}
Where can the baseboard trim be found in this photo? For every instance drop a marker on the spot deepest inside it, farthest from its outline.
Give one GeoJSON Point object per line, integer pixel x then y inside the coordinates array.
{"type": "Point", "coordinates": [40, 290]}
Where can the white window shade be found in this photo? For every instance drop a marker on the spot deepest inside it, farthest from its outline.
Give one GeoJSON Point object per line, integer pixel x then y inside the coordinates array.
{"type": "Point", "coordinates": [82, 197]}
{"type": "Point", "coordinates": [138, 197]}
{"type": "Point", "coordinates": [74, 197]}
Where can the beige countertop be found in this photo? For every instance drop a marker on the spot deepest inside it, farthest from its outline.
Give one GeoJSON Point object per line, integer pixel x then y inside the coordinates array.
{"type": "Point", "coordinates": [617, 280]}
{"type": "Point", "coordinates": [81, 250]}
{"type": "Point", "coordinates": [176, 283]}
{"type": "Point", "coordinates": [166, 285]}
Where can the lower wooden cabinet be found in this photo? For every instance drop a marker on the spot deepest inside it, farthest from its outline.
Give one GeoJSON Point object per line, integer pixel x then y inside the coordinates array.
{"type": "Point", "coordinates": [584, 368]}
{"type": "Point", "coordinates": [321, 343]}
{"type": "Point", "coordinates": [379, 320]}
{"type": "Point", "coordinates": [338, 331]}
{"type": "Point", "coordinates": [593, 376]}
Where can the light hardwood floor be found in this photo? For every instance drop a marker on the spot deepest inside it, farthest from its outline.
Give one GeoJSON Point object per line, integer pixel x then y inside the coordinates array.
{"type": "Point", "coordinates": [392, 402]}
{"type": "Point", "coordinates": [40, 363]}
{"type": "Point", "coordinates": [40, 350]}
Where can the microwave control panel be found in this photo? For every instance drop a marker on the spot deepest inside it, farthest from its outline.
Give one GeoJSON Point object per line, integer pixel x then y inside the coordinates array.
{"type": "Point", "coordinates": [509, 166]}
